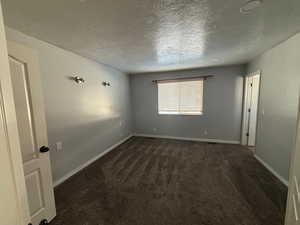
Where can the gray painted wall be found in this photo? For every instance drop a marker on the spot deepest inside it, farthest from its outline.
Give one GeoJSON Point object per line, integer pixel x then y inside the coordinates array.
{"type": "Point", "coordinates": [223, 96]}
{"type": "Point", "coordinates": [278, 104]}
{"type": "Point", "coordinates": [87, 118]}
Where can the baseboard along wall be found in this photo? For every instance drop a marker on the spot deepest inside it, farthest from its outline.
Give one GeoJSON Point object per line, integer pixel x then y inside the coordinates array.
{"type": "Point", "coordinates": [73, 172]}
{"type": "Point", "coordinates": [189, 139]}
{"type": "Point", "coordinates": [268, 167]}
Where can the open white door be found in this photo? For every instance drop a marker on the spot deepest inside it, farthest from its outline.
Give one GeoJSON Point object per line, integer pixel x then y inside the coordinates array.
{"type": "Point", "coordinates": [251, 95]}
{"type": "Point", "coordinates": [32, 132]}
{"type": "Point", "coordinates": [13, 197]}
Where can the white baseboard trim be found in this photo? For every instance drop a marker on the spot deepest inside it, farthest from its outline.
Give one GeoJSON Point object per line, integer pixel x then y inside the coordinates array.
{"type": "Point", "coordinates": [73, 172]}
{"type": "Point", "coordinates": [266, 165]}
{"type": "Point", "coordinates": [189, 139]}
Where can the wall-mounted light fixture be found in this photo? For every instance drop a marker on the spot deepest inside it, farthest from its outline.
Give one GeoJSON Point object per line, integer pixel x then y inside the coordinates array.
{"type": "Point", "coordinates": [250, 5]}
{"type": "Point", "coordinates": [78, 80]}
{"type": "Point", "coordinates": [105, 84]}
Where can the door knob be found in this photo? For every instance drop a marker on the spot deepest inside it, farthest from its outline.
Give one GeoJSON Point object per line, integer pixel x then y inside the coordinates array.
{"type": "Point", "coordinates": [44, 222]}
{"type": "Point", "coordinates": [44, 149]}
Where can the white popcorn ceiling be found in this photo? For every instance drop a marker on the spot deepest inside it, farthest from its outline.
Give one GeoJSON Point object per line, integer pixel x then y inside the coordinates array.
{"type": "Point", "coordinates": [156, 35]}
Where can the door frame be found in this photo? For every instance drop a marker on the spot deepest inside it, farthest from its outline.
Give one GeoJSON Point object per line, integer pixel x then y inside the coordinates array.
{"type": "Point", "coordinates": [11, 153]}
{"type": "Point", "coordinates": [292, 186]}
{"type": "Point", "coordinates": [245, 119]}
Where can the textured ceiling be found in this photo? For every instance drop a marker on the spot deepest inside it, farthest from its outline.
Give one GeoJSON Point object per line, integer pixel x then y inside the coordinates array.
{"type": "Point", "coordinates": [155, 35]}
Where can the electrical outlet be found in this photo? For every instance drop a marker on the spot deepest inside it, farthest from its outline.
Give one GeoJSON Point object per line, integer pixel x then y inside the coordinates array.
{"type": "Point", "coordinates": [205, 132]}
{"type": "Point", "coordinates": [59, 146]}
{"type": "Point", "coordinates": [154, 129]}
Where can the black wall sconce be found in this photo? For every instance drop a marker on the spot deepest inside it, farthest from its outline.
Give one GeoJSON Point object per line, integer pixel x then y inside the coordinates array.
{"type": "Point", "coordinates": [105, 84]}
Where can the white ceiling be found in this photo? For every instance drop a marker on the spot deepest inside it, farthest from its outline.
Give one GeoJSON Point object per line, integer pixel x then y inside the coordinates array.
{"type": "Point", "coordinates": [156, 35]}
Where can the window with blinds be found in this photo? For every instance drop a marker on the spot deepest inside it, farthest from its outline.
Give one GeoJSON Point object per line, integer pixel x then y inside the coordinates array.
{"type": "Point", "coordinates": [180, 97]}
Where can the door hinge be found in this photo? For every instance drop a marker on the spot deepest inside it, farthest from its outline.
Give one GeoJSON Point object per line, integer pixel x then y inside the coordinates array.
{"type": "Point", "coordinates": [44, 222]}
{"type": "Point", "coordinates": [249, 110]}
{"type": "Point", "coordinates": [251, 84]}
{"type": "Point", "coordinates": [247, 134]}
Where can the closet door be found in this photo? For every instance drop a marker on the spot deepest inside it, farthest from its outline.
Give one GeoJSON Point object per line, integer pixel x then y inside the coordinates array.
{"type": "Point", "coordinates": [253, 110]}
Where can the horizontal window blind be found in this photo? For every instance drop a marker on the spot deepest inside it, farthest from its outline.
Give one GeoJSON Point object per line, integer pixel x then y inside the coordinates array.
{"type": "Point", "coordinates": [181, 97]}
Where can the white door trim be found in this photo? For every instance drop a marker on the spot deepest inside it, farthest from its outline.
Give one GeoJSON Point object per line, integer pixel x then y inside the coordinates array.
{"type": "Point", "coordinates": [293, 186]}
{"type": "Point", "coordinates": [245, 107]}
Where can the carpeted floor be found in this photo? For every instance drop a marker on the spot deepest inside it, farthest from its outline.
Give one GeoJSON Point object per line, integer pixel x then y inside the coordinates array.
{"type": "Point", "coordinates": [148, 181]}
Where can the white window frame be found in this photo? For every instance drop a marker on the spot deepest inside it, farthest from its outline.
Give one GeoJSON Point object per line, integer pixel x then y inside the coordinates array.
{"type": "Point", "coordinates": [172, 113]}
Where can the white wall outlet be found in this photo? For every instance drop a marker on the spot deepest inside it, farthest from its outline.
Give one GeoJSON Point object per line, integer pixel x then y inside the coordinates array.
{"type": "Point", "coordinates": [121, 123]}
{"type": "Point", "coordinates": [154, 129]}
{"type": "Point", "coordinates": [205, 132]}
{"type": "Point", "coordinates": [59, 146]}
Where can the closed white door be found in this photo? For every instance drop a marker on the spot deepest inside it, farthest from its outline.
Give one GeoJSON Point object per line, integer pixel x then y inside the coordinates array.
{"type": "Point", "coordinates": [253, 109]}
{"type": "Point", "coordinates": [250, 109]}
{"type": "Point", "coordinates": [32, 132]}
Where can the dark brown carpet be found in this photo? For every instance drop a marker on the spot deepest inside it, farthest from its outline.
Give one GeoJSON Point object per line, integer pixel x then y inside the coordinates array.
{"type": "Point", "coordinates": [148, 181]}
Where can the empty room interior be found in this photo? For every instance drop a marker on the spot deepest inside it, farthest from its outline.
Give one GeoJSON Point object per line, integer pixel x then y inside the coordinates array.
{"type": "Point", "coordinates": [150, 112]}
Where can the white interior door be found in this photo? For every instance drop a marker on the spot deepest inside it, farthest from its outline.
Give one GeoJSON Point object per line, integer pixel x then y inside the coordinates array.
{"type": "Point", "coordinates": [293, 202]}
{"type": "Point", "coordinates": [32, 132]}
{"type": "Point", "coordinates": [251, 97]}
{"type": "Point", "coordinates": [13, 197]}
{"type": "Point", "coordinates": [253, 109]}
{"type": "Point", "coordinates": [247, 106]}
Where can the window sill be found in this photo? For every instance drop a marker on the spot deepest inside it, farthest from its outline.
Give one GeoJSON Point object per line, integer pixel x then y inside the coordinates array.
{"type": "Point", "coordinates": [179, 114]}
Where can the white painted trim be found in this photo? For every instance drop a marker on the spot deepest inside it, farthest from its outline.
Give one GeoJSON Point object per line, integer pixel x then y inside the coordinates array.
{"type": "Point", "coordinates": [189, 139]}
{"type": "Point", "coordinates": [251, 74]}
{"type": "Point", "coordinates": [244, 130]}
{"type": "Point", "coordinates": [73, 172]}
{"type": "Point", "coordinates": [266, 165]}
{"type": "Point", "coordinates": [245, 118]}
